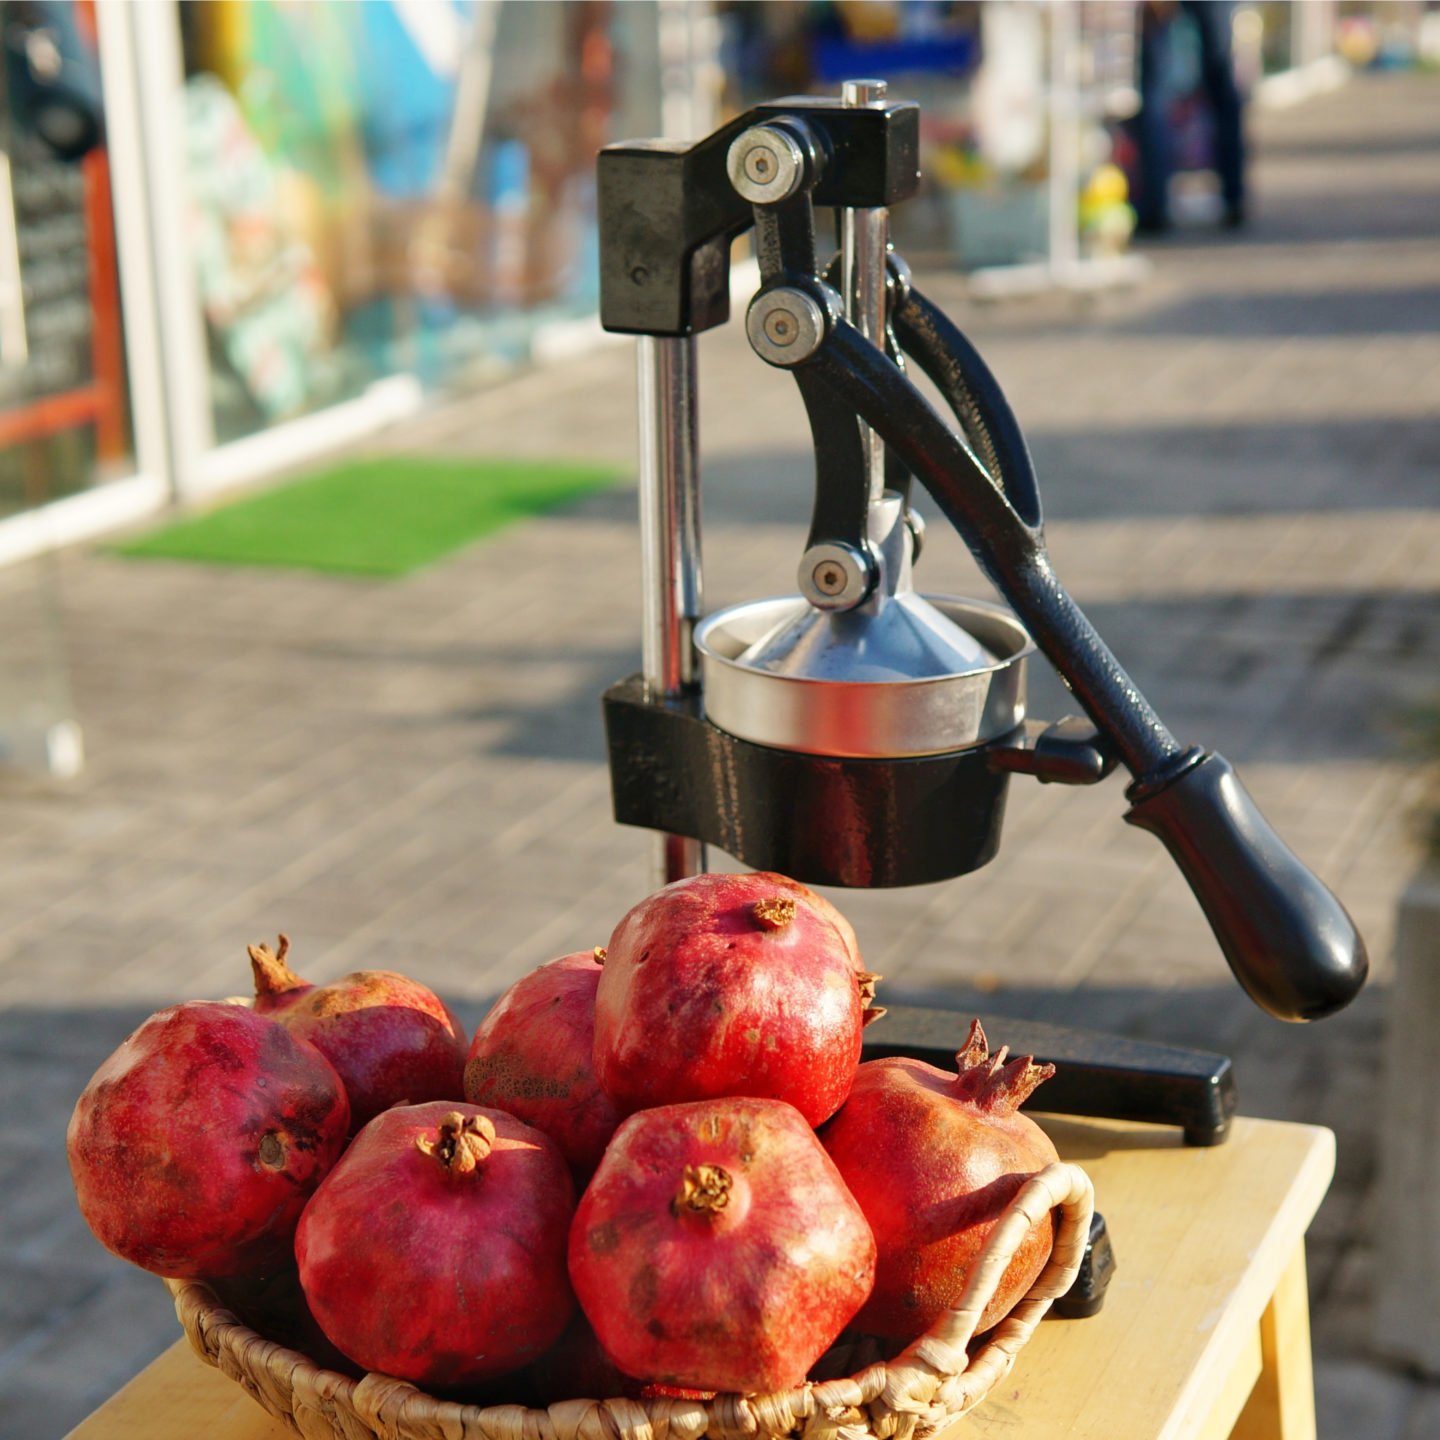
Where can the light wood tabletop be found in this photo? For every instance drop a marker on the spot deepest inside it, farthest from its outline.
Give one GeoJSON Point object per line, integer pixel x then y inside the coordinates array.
{"type": "Point", "coordinates": [1204, 1333]}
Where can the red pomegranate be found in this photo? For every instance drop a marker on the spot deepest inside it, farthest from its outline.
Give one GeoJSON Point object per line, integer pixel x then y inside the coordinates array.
{"type": "Point", "coordinates": [435, 1250]}
{"type": "Point", "coordinates": [197, 1143]}
{"type": "Point", "coordinates": [933, 1159]}
{"type": "Point", "coordinates": [717, 1249]}
{"type": "Point", "coordinates": [393, 1040]}
{"type": "Point", "coordinates": [533, 1055]}
{"type": "Point", "coordinates": [730, 985]}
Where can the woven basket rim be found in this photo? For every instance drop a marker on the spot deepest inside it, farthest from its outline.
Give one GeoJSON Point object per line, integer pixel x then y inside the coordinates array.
{"type": "Point", "coordinates": [931, 1382]}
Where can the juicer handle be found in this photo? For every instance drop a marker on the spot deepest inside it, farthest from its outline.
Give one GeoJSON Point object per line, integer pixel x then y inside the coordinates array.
{"type": "Point", "coordinates": [1290, 942]}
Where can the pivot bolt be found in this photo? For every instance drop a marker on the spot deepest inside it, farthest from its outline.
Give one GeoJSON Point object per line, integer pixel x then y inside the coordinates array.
{"type": "Point", "coordinates": [784, 326]}
{"type": "Point", "coordinates": [836, 577]}
{"type": "Point", "coordinates": [765, 165]}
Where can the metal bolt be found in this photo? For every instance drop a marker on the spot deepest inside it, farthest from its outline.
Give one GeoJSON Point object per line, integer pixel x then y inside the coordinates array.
{"type": "Point", "coordinates": [784, 326]}
{"type": "Point", "coordinates": [835, 576]}
{"type": "Point", "coordinates": [765, 165]}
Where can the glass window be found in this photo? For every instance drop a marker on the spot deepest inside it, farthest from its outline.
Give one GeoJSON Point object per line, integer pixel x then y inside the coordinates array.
{"type": "Point", "coordinates": [64, 407]}
{"type": "Point", "coordinates": [393, 187]}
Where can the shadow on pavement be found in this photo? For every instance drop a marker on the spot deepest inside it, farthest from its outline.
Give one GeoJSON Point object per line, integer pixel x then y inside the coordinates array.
{"type": "Point", "coordinates": [1404, 310]}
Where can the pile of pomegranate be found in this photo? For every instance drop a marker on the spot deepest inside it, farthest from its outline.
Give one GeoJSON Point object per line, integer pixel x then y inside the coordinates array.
{"type": "Point", "coordinates": [658, 1168]}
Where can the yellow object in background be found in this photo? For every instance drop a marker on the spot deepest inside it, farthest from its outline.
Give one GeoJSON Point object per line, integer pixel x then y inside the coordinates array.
{"type": "Point", "coordinates": [1106, 219]}
{"type": "Point", "coordinates": [1107, 186]}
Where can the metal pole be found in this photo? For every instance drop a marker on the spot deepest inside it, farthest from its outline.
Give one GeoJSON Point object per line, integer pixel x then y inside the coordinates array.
{"type": "Point", "coordinates": [864, 238]}
{"type": "Point", "coordinates": [1064, 190]}
{"type": "Point", "coordinates": [669, 542]}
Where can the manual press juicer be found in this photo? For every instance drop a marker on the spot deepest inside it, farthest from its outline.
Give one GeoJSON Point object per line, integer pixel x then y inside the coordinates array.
{"type": "Point", "coordinates": [859, 734]}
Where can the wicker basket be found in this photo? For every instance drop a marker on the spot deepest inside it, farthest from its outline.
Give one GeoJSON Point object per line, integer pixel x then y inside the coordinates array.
{"type": "Point", "coordinates": [929, 1384]}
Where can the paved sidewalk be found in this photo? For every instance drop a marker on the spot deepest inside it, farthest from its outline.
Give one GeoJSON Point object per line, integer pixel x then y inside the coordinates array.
{"type": "Point", "coordinates": [1240, 462]}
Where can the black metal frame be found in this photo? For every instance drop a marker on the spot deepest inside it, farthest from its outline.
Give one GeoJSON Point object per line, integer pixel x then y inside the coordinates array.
{"type": "Point", "coordinates": [667, 217]}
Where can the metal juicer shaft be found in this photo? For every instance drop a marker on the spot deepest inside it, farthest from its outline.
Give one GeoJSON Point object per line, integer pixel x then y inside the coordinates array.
{"type": "Point", "coordinates": [864, 238]}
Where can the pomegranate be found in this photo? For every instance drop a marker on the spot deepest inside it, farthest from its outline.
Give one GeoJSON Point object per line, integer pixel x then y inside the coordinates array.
{"type": "Point", "coordinates": [533, 1056]}
{"type": "Point", "coordinates": [435, 1250]}
{"type": "Point", "coordinates": [730, 985]}
{"type": "Point", "coordinates": [393, 1040]}
{"type": "Point", "coordinates": [933, 1159]}
{"type": "Point", "coordinates": [717, 1249]}
{"type": "Point", "coordinates": [197, 1143]}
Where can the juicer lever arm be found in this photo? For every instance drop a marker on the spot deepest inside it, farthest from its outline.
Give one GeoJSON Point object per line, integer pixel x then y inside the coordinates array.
{"type": "Point", "coordinates": [945, 354]}
{"type": "Point", "coordinates": [1288, 940]}
{"type": "Point", "coordinates": [1290, 943]}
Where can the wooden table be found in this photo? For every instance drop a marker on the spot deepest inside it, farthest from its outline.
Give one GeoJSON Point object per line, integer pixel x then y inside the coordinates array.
{"type": "Point", "coordinates": [1205, 1331]}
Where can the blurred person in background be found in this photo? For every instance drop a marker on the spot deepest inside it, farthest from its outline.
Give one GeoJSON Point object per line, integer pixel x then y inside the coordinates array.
{"type": "Point", "coordinates": [1156, 130]}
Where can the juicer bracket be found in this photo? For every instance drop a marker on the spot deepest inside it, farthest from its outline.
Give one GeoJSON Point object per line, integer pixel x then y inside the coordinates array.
{"type": "Point", "coordinates": [668, 212]}
{"type": "Point", "coordinates": [1069, 751]}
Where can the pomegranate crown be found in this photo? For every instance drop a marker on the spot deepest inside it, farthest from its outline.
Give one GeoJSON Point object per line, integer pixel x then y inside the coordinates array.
{"type": "Point", "coordinates": [704, 1190]}
{"type": "Point", "coordinates": [774, 912]}
{"type": "Point", "coordinates": [460, 1142]}
{"type": "Point", "coordinates": [989, 1081]}
{"type": "Point", "coordinates": [272, 975]}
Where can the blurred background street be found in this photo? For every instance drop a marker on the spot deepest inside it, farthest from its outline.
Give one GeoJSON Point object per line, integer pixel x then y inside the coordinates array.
{"type": "Point", "coordinates": [1239, 457]}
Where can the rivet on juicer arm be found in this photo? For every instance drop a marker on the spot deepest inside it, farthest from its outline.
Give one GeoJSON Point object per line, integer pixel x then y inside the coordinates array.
{"type": "Point", "coordinates": [858, 733]}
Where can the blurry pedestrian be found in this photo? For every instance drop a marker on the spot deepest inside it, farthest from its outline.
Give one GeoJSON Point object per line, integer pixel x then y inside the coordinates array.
{"type": "Point", "coordinates": [1156, 131]}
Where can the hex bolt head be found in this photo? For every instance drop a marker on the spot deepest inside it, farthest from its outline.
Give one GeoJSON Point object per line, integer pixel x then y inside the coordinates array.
{"type": "Point", "coordinates": [761, 165]}
{"type": "Point", "coordinates": [829, 578]}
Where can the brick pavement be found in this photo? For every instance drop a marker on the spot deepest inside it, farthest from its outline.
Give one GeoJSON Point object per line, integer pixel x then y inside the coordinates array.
{"type": "Point", "coordinates": [1240, 462]}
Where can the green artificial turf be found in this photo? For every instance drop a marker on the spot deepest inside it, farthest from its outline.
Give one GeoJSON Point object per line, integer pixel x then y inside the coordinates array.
{"type": "Point", "coordinates": [383, 516]}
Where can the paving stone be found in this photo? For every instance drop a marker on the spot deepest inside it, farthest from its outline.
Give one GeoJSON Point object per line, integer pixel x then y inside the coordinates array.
{"type": "Point", "coordinates": [1424, 1419]}
{"type": "Point", "coordinates": [1356, 1397]}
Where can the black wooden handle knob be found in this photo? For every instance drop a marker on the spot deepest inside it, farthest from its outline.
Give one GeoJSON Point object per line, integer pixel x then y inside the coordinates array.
{"type": "Point", "coordinates": [1290, 942]}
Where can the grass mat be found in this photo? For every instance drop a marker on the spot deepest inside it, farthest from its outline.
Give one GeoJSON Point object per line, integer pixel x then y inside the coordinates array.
{"type": "Point", "coordinates": [383, 516]}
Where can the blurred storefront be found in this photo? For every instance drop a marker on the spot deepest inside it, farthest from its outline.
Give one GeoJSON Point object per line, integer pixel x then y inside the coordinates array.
{"type": "Point", "coordinates": [291, 220]}
{"type": "Point", "coordinates": [285, 222]}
